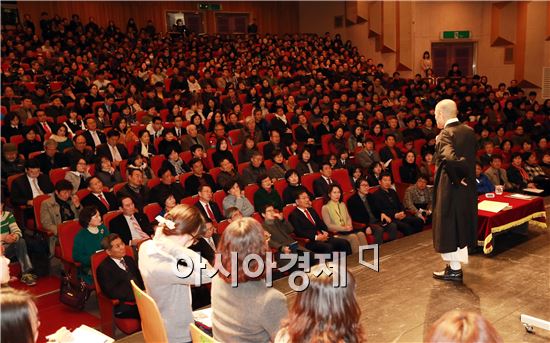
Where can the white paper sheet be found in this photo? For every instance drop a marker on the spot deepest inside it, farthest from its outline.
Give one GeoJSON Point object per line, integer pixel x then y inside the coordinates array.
{"type": "Point", "coordinates": [491, 206]}
{"type": "Point", "coordinates": [204, 316]}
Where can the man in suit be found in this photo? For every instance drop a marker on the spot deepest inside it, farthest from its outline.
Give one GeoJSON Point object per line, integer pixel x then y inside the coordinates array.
{"type": "Point", "coordinates": [26, 110]}
{"type": "Point", "coordinates": [367, 155]}
{"type": "Point", "coordinates": [386, 201]}
{"type": "Point", "coordinates": [114, 274]}
{"type": "Point", "coordinates": [109, 106]}
{"type": "Point", "coordinates": [42, 126]}
{"type": "Point", "coordinates": [103, 201]}
{"type": "Point", "coordinates": [497, 175]}
{"type": "Point", "coordinates": [390, 151]}
{"type": "Point", "coordinates": [488, 152]}
{"type": "Point", "coordinates": [308, 224]}
{"type": "Point", "coordinates": [51, 158]}
{"type": "Point", "coordinates": [30, 185]}
{"type": "Point", "coordinates": [360, 210]}
{"type": "Point", "coordinates": [274, 144]}
{"type": "Point", "coordinates": [116, 152]}
{"type": "Point", "coordinates": [135, 189]}
{"type": "Point", "coordinates": [166, 187]}
{"type": "Point", "coordinates": [255, 169]}
{"type": "Point", "coordinates": [198, 178]}
{"type": "Point", "coordinates": [207, 244]}
{"type": "Point", "coordinates": [56, 109]}
{"type": "Point", "coordinates": [131, 225]}
{"type": "Point", "coordinates": [193, 137]}
{"type": "Point", "coordinates": [208, 208]}
{"type": "Point", "coordinates": [320, 185]}
{"type": "Point", "coordinates": [93, 136]}
{"type": "Point", "coordinates": [454, 217]}
{"type": "Point", "coordinates": [80, 150]}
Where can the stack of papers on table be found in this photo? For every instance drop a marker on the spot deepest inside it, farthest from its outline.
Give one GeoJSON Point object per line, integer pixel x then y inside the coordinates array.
{"type": "Point", "coordinates": [203, 316]}
{"type": "Point", "coordinates": [492, 206]}
{"type": "Point", "coordinates": [521, 196]}
{"type": "Point", "coordinates": [83, 333]}
{"type": "Point", "coordinates": [533, 190]}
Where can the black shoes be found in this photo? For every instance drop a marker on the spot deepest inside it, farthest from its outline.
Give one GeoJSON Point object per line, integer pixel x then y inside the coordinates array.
{"type": "Point", "coordinates": [449, 275]}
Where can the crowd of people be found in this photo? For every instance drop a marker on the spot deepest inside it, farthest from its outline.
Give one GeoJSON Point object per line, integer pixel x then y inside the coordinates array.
{"type": "Point", "coordinates": [136, 118]}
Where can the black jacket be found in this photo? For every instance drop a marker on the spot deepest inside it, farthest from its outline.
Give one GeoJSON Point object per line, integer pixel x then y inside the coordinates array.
{"type": "Point", "coordinates": [46, 164]}
{"type": "Point", "coordinates": [215, 209]}
{"type": "Point", "coordinates": [119, 225]}
{"type": "Point", "coordinates": [161, 191]}
{"type": "Point", "coordinates": [140, 199]}
{"type": "Point", "coordinates": [90, 140]}
{"type": "Point", "coordinates": [92, 200]}
{"type": "Point", "coordinates": [115, 282]}
{"type": "Point", "coordinates": [103, 150]}
{"type": "Point", "coordinates": [386, 202]}
{"type": "Point", "coordinates": [303, 227]}
{"type": "Point", "coordinates": [21, 190]}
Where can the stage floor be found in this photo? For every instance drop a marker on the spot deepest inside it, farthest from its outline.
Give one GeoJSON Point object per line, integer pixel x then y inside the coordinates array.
{"type": "Point", "coordinates": [400, 302]}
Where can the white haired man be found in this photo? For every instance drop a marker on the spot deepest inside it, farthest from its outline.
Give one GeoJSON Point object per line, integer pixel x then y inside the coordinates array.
{"type": "Point", "coordinates": [455, 197]}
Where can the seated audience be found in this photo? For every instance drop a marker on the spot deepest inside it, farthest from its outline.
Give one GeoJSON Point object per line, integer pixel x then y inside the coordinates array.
{"type": "Point", "coordinates": [427, 167]}
{"type": "Point", "coordinates": [294, 185]}
{"type": "Point", "coordinates": [103, 201]}
{"type": "Point", "coordinates": [375, 174]}
{"type": "Point", "coordinates": [385, 201]}
{"type": "Point", "coordinates": [418, 199]}
{"type": "Point", "coordinates": [51, 158]}
{"type": "Point", "coordinates": [488, 152]}
{"type": "Point", "coordinates": [517, 175]}
{"type": "Point", "coordinates": [14, 245]}
{"type": "Point", "coordinates": [193, 137]}
{"type": "Point", "coordinates": [107, 172]}
{"type": "Point", "coordinates": [169, 143]}
{"type": "Point", "coordinates": [144, 146]}
{"type": "Point", "coordinates": [30, 143]}
{"type": "Point", "coordinates": [208, 208]}
{"type": "Point", "coordinates": [251, 312]}
{"type": "Point", "coordinates": [79, 173]}
{"type": "Point", "coordinates": [135, 189]}
{"type": "Point", "coordinates": [176, 164]}
{"type": "Point", "coordinates": [279, 167]}
{"type": "Point", "coordinates": [321, 185]}
{"type": "Point", "coordinates": [267, 194]}
{"type": "Point", "coordinates": [168, 186]}
{"type": "Point", "coordinates": [235, 198]}
{"type": "Point", "coordinates": [273, 145]}
{"type": "Point", "coordinates": [535, 172]}
{"type": "Point", "coordinates": [497, 175]}
{"type": "Point", "coordinates": [367, 156]}
{"type": "Point", "coordinates": [323, 312]}
{"type": "Point", "coordinates": [256, 168]}
{"type": "Point", "coordinates": [114, 274]}
{"type": "Point", "coordinates": [94, 137]}
{"type": "Point", "coordinates": [306, 164]}
{"type": "Point", "coordinates": [227, 174]}
{"type": "Point", "coordinates": [113, 150]}
{"type": "Point", "coordinates": [88, 240]}
{"type": "Point", "coordinates": [30, 185]}
{"type": "Point", "coordinates": [80, 150]}
{"type": "Point", "coordinates": [248, 149]}
{"type": "Point", "coordinates": [139, 161]}
{"type": "Point", "coordinates": [361, 211]}
{"type": "Point", "coordinates": [308, 224]}
{"type": "Point", "coordinates": [131, 225]}
{"type": "Point", "coordinates": [338, 221]}
{"type": "Point", "coordinates": [11, 164]}
{"type": "Point", "coordinates": [390, 151]}
{"type": "Point", "coordinates": [483, 184]}
{"type": "Point", "coordinates": [170, 291]}
{"type": "Point", "coordinates": [409, 171]}
{"type": "Point", "coordinates": [222, 153]}
{"type": "Point", "coordinates": [199, 177]}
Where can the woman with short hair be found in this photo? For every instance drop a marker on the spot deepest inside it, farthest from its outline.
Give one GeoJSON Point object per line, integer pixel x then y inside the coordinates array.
{"type": "Point", "coordinates": [250, 312]}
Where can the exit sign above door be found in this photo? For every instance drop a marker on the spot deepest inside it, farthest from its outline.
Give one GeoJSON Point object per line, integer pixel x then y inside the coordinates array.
{"type": "Point", "coordinates": [456, 35]}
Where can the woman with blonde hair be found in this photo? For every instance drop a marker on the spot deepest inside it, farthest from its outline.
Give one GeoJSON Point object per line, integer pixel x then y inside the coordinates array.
{"type": "Point", "coordinates": [323, 313]}
{"type": "Point", "coordinates": [250, 312]}
{"type": "Point", "coordinates": [169, 268]}
{"type": "Point", "coordinates": [19, 316]}
{"type": "Point", "coordinates": [461, 327]}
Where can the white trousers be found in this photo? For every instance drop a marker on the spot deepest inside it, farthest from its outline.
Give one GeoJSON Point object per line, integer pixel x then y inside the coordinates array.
{"type": "Point", "coordinates": [457, 257]}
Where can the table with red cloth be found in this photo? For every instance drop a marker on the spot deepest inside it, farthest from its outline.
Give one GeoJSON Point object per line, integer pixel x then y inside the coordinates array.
{"type": "Point", "coordinates": [523, 211]}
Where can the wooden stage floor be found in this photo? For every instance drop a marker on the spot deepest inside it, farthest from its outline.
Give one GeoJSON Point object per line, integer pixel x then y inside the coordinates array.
{"type": "Point", "coordinates": [400, 302]}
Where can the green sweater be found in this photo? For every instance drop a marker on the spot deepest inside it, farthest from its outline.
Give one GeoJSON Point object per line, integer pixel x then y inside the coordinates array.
{"type": "Point", "coordinates": [8, 224]}
{"type": "Point", "coordinates": [262, 198]}
{"type": "Point", "coordinates": [85, 245]}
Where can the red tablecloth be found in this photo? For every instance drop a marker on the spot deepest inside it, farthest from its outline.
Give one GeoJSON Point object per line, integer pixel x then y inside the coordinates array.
{"type": "Point", "coordinates": [522, 211]}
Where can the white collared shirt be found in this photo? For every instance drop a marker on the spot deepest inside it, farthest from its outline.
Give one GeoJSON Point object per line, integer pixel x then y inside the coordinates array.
{"type": "Point", "coordinates": [115, 153]}
{"type": "Point", "coordinates": [450, 121]}
{"type": "Point", "coordinates": [95, 137]}
{"type": "Point", "coordinates": [119, 263]}
{"type": "Point", "coordinates": [36, 191]}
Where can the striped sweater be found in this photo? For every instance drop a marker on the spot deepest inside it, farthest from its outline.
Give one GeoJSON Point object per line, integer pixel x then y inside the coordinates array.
{"type": "Point", "coordinates": [8, 224]}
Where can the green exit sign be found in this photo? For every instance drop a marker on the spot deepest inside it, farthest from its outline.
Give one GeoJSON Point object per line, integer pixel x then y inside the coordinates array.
{"type": "Point", "coordinates": [203, 6]}
{"type": "Point", "coordinates": [456, 35]}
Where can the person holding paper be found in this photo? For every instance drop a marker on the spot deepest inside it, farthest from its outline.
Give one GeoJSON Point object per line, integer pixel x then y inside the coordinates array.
{"type": "Point", "coordinates": [455, 198]}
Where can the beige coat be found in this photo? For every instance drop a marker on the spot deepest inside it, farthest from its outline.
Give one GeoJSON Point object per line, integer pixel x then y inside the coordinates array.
{"type": "Point", "coordinates": [50, 216]}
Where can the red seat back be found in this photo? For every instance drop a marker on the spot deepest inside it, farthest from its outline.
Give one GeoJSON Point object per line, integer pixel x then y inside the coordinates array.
{"type": "Point", "coordinates": [342, 177]}
{"type": "Point", "coordinates": [190, 201]}
{"type": "Point", "coordinates": [280, 186]}
{"type": "Point", "coordinates": [249, 192]}
{"type": "Point", "coordinates": [107, 217]}
{"type": "Point", "coordinates": [395, 165]}
{"type": "Point", "coordinates": [317, 205]}
{"type": "Point", "coordinates": [152, 210]}
{"type": "Point", "coordinates": [66, 232]}
{"type": "Point", "coordinates": [307, 180]}
{"type": "Point", "coordinates": [218, 199]}
{"type": "Point", "coordinates": [153, 182]}
{"type": "Point", "coordinates": [58, 174]}
{"type": "Point", "coordinates": [36, 204]}
{"type": "Point", "coordinates": [288, 209]}
{"type": "Point", "coordinates": [222, 226]}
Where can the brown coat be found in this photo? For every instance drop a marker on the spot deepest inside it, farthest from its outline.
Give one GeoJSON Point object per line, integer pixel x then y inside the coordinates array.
{"type": "Point", "coordinates": [455, 205]}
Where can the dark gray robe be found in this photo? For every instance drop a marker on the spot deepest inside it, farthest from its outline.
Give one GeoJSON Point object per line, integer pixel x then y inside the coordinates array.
{"type": "Point", "coordinates": [455, 205]}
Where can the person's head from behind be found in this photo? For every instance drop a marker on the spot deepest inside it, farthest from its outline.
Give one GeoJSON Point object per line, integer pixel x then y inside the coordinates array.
{"type": "Point", "coordinates": [323, 312]}
{"type": "Point", "coordinates": [445, 110]}
{"type": "Point", "coordinates": [188, 226]}
{"type": "Point", "coordinates": [114, 246]}
{"type": "Point", "coordinates": [385, 181]}
{"type": "Point", "coordinates": [89, 217]}
{"type": "Point", "coordinates": [244, 237]}
{"type": "Point", "coordinates": [461, 327]}
{"type": "Point", "coordinates": [63, 190]}
{"type": "Point", "coordinates": [19, 316]}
